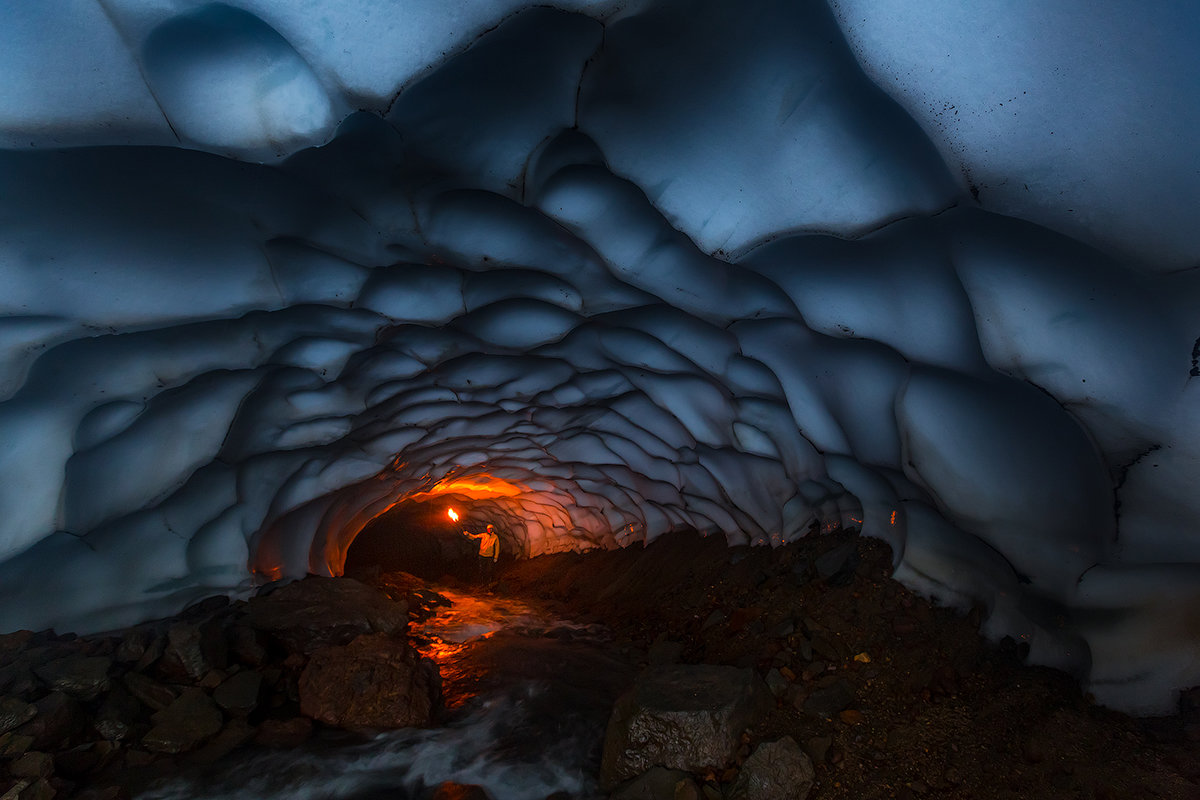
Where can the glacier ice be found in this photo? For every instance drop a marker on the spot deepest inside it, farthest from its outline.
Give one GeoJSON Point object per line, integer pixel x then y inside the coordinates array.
{"type": "Point", "coordinates": [593, 272]}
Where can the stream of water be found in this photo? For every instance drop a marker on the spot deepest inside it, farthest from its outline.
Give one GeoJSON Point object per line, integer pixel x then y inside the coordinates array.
{"type": "Point", "coordinates": [527, 699]}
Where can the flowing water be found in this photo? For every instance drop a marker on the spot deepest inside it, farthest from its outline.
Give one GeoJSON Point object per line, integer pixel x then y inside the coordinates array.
{"type": "Point", "coordinates": [527, 699]}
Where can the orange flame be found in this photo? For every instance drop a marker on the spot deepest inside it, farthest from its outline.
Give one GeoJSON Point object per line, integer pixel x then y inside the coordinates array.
{"type": "Point", "coordinates": [452, 514]}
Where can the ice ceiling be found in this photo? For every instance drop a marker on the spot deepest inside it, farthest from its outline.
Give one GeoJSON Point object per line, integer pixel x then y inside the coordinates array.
{"type": "Point", "coordinates": [602, 271]}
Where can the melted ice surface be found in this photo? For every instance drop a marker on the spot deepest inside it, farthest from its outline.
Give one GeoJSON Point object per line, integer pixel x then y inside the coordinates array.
{"type": "Point", "coordinates": [650, 281]}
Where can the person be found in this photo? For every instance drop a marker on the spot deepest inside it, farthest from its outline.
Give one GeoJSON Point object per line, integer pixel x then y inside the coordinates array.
{"type": "Point", "coordinates": [489, 550]}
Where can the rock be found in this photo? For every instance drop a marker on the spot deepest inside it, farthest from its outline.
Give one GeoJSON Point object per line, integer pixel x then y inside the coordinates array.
{"type": "Point", "coordinates": [850, 716]}
{"type": "Point", "coordinates": [776, 682]}
{"type": "Point", "coordinates": [665, 651]}
{"type": "Point", "coordinates": [133, 646]}
{"type": "Point", "coordinates": [817, 748]}
{"type": "Point", "coordinates": [79, 761]}
{"type": "Point", "coordinates": [231, 737]}
{"type": "Point", "coordinates": [149, 691]}
{"type": "Point", "coordinates": [41, 789]}
{"type": "Point", "coordinates": [715, 618]}
{"type": "Point", "coordinates": [15, 712]}
{"type": "Point", "coordinates": [774, 771]}
{"type": "Point", "coordinates": [33, 765]}
{"type": "Point", "coordinates": [16, 678]}
{"type": "Point", "coordinates": [154, 652]}
{"type": "Point", "coordinates": [658, 783]}
{"type": "Point", "coordinates": [285, 733]}
{"type": "Point", "coordinates": [58, 719]}
{"type": "Point", "coordinates": [836, 566]}
{"type": "Point", "coordinates": [245, 646]}
{"type": "Point", "coordinates": [14, 744]}
{"type": "Point", "coordinates": [239, 694]}
{"type": "Point", "coordinates": [460, 791]}
{"type": "Point", "coordinates": [827, 701]}
{"type": "Point", "coordinates": [117, 715]}
{"type": "Point", "coordinates": [308, 615]}
{"type": "Point", "coordinates": [194, 650]}
{"type": "Point", "coordinates": [82, 677]}
{"type": "Point", "coordinates": [185, 724]}
{"type": "Point", "coordinates": [376, 681]}
{"type": "Point", "coordinates": [684, 717]}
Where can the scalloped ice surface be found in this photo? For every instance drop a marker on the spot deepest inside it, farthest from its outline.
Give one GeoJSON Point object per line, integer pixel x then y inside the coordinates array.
{"type": "Point", "coordinates": [578, 261]}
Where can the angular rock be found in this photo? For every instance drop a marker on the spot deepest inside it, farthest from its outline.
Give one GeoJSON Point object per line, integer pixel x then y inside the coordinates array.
{"type": "Point", "coordinates": [41, 789]}
{"type": "Point", "coordinates": [117, 715]}
{"type": "Point", "coordinates": [133, 646]}
{"type": "Point", "coordinates": [685, 717]}
{"type": "Point", "coordinates": [836, 566]}
{"type": "Point", "coordinates": [14, 744]}
{"type": "Point", "coordinates": [185, 724]}
{"type": "Point", "coordinates": [657, 783]}
{"type": "Point", "coordinates": [79, 761]}
{"type": "Point", "coordinates": [149, 691]}
{"type": "Point", "coordinates": [376, 681]}
{"type": "Point", "coordinates": [33, 765]}
{"type": "Point", "coordinates": [195, 650]}
{"type": "Point", "coordinates": [82, 677]}
{"type": "Point", "coordinates": [239, 694]}
{"type": "Point", "coordinates": [231, 737]}
{"type": "Point", "coordinates": [829, 700]}
{"type": "Point", "coordinates": [245, 646]}
{"type": "Point", "coordinates": [15, 712]}
{"type": "Point", "coordinates": [314, 613]}
{"type": "Point", "coordinates": [285, 733]}
{"type": "Point", "coordinates": [774, 771]}
{"type": "Point", "coordinates": [58, 719]}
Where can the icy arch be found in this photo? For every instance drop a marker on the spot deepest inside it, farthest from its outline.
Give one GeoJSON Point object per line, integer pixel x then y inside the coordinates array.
{"type": "Point", "coordinates": [746, 297]}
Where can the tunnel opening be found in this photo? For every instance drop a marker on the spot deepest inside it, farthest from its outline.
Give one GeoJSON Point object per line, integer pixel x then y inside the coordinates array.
{"type": "Point", "coordinates": [418, 537]}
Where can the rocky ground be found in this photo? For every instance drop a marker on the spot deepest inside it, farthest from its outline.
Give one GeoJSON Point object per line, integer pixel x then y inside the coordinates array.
{"type": "Point", "coordinates": [888, 695]}
{"type": "Point", "coordinates": [765, 672]}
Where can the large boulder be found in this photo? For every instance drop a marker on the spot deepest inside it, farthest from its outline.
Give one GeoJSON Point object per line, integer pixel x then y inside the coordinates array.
{"type": "Point", "coordinates": [376, 681]}
{"type": "Point", "coordinates": [774, 771]}
{"type": "Point", "coordinates": [82, 677]}
{"type": "Point", "coordinates": [685, 717]}
{"type": "Point", "coordinates": [308, 615]}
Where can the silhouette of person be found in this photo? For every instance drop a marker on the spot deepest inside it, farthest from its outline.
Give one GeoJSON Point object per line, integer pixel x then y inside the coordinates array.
{"type": "Point", "coordinates": [489, 550]}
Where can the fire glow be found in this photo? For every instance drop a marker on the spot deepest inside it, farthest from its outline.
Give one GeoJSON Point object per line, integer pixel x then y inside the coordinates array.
{"type": "Point", "coordinates": [452, 514]}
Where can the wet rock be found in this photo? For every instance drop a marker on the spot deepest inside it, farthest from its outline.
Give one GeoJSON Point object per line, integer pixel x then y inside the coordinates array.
{"type": "Point", "coordinates": [59, 718]}
{"type": "Point", "coordinates": [827, 701]}
{"type": "Point", "coordinates": [33, 765]}
{"type": "Point", "coordinates": [15, 712]}
{"type": "Point", "coordinates": [460, 791]}
{"type": "Point", "coordinates": [149, 691]}
{"type": "Point", "coordinates": [153, 653]}
{"type": "Point", "coordinates": [774, 771]}
{"type": "Point", "coordinates": [284, 733]}
{"type": "Point", "coordinates": [117, 715]}
{"type": "Point", "coordinates": [184, 724]}
{"type": "Point", "coordinates": [308, 615]}
{"type": "Point", "coordinates": [658, 783]}
{"type": "Point", "coordinates": [684, 717]}
{"type": "Point", "coordinates": [376, 681]}
{"type": "Point", "coordinates": [239, 694]}
{"type": "Point", "coordinates": [16, 678]}
{"type": "Point", "coordinates": [82, 677]}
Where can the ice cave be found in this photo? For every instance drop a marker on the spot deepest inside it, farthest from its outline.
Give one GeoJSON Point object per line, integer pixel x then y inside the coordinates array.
{"type": "Point", "coordinates": [596, 271]}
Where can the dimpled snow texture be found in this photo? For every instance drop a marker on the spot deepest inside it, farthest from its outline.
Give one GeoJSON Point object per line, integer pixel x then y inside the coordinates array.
{"type": "Point", "coordinates": [638, 281]}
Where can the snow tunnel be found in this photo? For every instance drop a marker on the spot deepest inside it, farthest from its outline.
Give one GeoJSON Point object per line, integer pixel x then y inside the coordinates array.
{"type": "Point", "coordinates": [600, 271]}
